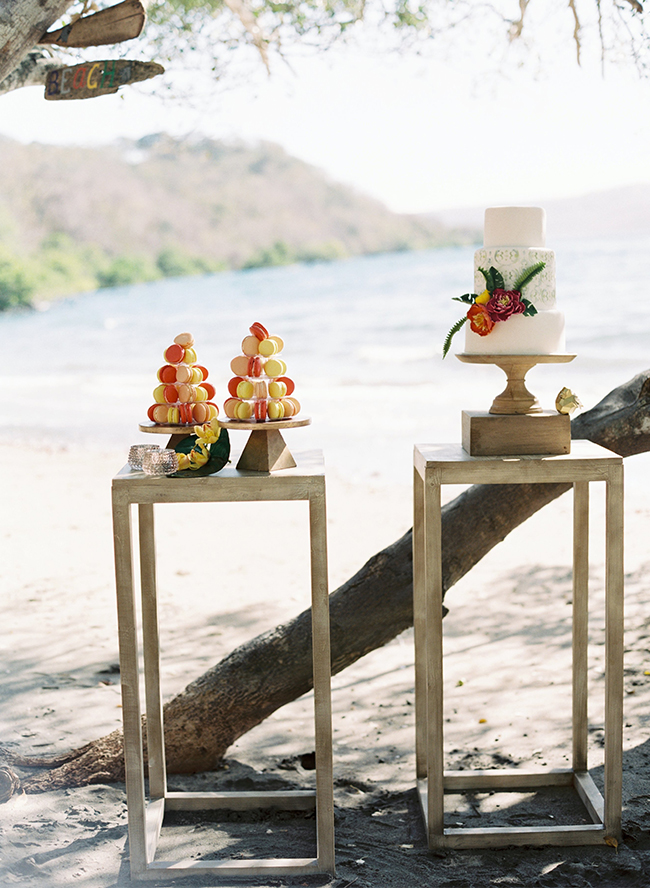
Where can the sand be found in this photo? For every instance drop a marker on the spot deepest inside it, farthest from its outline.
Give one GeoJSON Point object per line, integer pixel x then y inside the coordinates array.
{"type": "Point", "coordinates": [506, 682]}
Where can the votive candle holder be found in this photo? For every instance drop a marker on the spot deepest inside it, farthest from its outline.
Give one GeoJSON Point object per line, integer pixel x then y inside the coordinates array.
{"type": "Point", "coordinates": [160, 462]}
{"type": "Point", "coordinates": [137, 452]}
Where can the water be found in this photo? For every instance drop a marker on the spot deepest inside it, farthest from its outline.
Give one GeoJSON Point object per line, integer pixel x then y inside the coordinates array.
{"type": "Point", "coordinates": [362, 341]}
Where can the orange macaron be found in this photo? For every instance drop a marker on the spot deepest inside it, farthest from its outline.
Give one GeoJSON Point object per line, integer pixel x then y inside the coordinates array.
{"type": "Point", "coordinates": [259, 330]}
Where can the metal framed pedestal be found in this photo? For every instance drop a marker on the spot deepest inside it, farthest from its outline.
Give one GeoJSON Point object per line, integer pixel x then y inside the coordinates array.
{"type": "Point", "coordinates": [435, 465]}
{"type": "Point", "coordinates": [304, 482]}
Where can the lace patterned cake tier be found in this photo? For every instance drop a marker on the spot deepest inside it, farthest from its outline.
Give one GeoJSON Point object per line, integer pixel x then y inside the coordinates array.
{"type": "Point", "coordinates": [511, 261]}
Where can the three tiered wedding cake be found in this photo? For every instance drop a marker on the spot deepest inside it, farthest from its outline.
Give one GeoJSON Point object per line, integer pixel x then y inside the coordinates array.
{"type": "Point", "coordinates": [513, 309]}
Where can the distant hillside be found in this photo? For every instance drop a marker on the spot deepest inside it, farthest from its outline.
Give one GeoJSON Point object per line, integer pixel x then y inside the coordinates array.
{"type": "Point", "coordinates": [74, 218]}
{"type": "Point", "coordinates": [617, 212]}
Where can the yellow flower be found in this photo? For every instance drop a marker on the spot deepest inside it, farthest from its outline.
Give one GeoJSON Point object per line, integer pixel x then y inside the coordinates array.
{"type": "Point", "coordinates": [199, 454]}
{"type": "Point", "coordinates": [183, 461]}
{"type": "Point", "coordinates": [207, 433]}
{"type": "Point", "coordinates": [483, 298]}
{"type": "Point", "coordinates": [198, 458]}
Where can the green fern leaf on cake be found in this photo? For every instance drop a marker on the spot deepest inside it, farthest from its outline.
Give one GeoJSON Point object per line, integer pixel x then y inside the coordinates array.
{"type": "Point", "coordinates": [527, 275]}
{"type": "Point", "coordinates": [447, 344]}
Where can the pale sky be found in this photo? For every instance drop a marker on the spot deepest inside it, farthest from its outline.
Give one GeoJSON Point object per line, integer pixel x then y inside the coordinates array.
{"type": "Point", "coordinates": [419, 134]}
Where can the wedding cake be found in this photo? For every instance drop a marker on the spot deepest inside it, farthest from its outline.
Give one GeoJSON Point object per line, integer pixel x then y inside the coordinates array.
{"type": "Point", "coordinates": [513, 309]}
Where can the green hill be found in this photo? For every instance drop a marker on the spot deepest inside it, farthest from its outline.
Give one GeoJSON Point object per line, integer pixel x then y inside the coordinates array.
{"type": "Point", "coordinates": [76, 218]}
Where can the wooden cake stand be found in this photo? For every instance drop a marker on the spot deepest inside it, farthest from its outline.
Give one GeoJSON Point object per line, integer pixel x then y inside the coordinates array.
{"type": "Point", "coordinates": [178, 432]}
{"type": "Point", "coordinates": [515, 424]}
{"type": "Point", "coordinates": [515, 398]}
{"type": "Point", "coordinates": [266, 449]}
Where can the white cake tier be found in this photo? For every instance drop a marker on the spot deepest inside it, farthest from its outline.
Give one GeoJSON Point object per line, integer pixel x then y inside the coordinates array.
{"type": "Point", "coordinates": [511, 261]}
{"type": "Point", "coordinates": [514, 227]}
{"type": "Point", "coordinates": [541, 334]}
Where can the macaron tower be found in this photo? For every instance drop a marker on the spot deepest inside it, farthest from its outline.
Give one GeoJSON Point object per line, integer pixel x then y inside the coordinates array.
{"type": "Point", "coordinates": [259, 390]}
{"type": "Point", "coordinates": [183, 397]}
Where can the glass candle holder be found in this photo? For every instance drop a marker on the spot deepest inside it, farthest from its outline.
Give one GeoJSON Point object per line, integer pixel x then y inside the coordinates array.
{"type": "Point", "coordinates": [137, 452]}
{"type": "Point", "coordinates": [160, 462]}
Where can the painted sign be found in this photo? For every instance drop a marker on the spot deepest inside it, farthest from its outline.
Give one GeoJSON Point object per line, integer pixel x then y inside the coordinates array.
{"type": "Point", "coordinates": [113, 25]}
{"type": "Point", "coordinates": [92, 79]}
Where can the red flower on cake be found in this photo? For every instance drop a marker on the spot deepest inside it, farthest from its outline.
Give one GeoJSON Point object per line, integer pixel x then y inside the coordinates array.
{"type": "Point", "coordinates": [479, 319]}
{"type": "Point", "coordinates": [504, 303]}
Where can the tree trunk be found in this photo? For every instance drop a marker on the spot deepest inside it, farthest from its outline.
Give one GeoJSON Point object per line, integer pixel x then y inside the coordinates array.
{"type": "Point", "coordinates": [22, 24]}
{"type": "Point", "coordinates": [369, 610]}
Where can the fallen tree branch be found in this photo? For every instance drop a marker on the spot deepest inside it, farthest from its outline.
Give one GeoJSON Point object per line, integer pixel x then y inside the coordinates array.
{"type": "Point", "coordinates": [367, 611]}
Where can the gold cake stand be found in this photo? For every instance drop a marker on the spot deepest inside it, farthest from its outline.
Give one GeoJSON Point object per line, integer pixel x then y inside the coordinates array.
{"type": "Point", "coordinates": [515, 398]}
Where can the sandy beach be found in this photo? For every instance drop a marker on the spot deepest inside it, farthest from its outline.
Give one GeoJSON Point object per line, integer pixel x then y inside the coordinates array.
{"type": "Point", "coordinates": [507, 681]}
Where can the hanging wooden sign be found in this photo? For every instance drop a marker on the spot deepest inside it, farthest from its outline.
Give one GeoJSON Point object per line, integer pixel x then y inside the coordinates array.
{"type": "Point", "coordinates": [92, 79]}
{"type": "Point", "coordinates": [113, 25]}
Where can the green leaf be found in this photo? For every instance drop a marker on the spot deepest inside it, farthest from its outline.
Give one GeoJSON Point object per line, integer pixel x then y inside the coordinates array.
{"type": "Point", "coordinates": [489, 279]}
{"type": "Point", "coordinates": [497, 277]}
{"type": "Point", "coordinates": [219, 453]}
{"type": "Point", "coordinates": [527, 275]}
{"type": "Point", "coordinates": [467, 298]}
{"type": "Point", "coordinates": [451, 334]}
{"type": "Point", "coordinates": [530, 309]}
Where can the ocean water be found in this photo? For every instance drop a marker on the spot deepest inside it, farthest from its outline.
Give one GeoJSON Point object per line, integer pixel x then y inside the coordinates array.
{"type": "Point", "coordinates": [362, 341]}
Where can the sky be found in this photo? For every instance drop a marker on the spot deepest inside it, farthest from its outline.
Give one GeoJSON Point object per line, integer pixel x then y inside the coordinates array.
{"type": "Point", "coordinates": [451, 129]}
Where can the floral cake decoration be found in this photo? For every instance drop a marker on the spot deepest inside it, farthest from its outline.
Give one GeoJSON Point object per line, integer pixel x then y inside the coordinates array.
{"type": "Point", "coordinates": [495, 304]}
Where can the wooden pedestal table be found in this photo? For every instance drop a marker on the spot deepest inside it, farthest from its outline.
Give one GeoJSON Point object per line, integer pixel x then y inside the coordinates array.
{"type": "Point", "coordinates": [304, 482]}
{"type": "Point", "coordinates": [450, 464]}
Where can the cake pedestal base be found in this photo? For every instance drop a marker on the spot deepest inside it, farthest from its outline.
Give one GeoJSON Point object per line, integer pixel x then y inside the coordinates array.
{"type": "Point", "coordinates": [486, 434]}
{"type": "Point", "coordinates": [266, 449]}
{"type": "Point", "coordinates": [515, 398]}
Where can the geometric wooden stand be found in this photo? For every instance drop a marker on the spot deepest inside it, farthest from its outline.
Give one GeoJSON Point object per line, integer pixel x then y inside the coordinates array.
{"type": "Point", "coordinates": [485, 434]}
{"type": "Point", "coordinates": [304, 482]}
{"type": "Point", "coordinates": [435, 465]}
{"type": "Point", "coordinates": [265, 450]}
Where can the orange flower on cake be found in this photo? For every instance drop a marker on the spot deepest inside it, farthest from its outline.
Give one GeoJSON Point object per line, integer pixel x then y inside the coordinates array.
{"type": "Point", "coordinates": [480, 319]}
